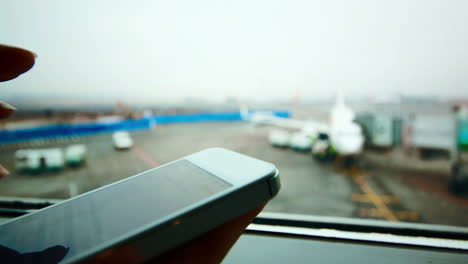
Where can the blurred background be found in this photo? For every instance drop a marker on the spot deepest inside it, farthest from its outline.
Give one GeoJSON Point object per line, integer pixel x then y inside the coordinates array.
{"type": "Point", "coordinates": [360, 104]}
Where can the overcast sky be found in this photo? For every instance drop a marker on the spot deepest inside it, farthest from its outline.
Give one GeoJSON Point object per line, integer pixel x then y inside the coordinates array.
{"type": "Point", "coordinates": [245, 48]}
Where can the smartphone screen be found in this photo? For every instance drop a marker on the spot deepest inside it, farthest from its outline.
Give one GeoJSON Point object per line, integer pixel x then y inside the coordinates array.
{"type": "Point", "coordinates": [90, 220]}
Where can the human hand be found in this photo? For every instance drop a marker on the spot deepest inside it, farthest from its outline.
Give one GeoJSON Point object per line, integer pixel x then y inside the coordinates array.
{"type": "Point", "coordinates": [211, 247]}
{"type": "Point", "coordinates": [13, 62]}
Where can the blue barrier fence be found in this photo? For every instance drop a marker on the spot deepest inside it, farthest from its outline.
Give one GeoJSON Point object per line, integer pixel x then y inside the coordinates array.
{"type": "Point", "coordinates": [72, 130]}
{"type": "Point", "coordinates": [67, 130]}
{"type": "Point", "coordinates": [208, 117]}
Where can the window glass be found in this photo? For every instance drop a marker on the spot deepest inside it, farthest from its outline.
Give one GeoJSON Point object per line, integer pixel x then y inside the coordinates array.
{"type": "Point", "coordinates": [360, 104]}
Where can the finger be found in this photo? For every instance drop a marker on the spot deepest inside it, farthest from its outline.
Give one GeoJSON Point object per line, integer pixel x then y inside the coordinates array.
{"type": "Point", "coordinates": [3, 172]}
{"type": "Point", "coordinates": [14, 61]}
{"type": "Point", "coordinates": [6, 110]}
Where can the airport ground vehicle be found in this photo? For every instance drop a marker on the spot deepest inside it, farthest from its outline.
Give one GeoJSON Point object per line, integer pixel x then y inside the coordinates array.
{"type": "Point", "coordinates": [75, 154]}
{"type": "Point", "coordinates": [300, 141]}
{"type": "Point", "coordinates": [279, 138]}
{"type": "Point", "coordinates": [51, 159]}
{"type": "Point", "coordinates": [322, 150]}
{"type": "Point", "coordinates": [459, 178]}
{"type": "Point", "coordinates": [122, 140]}
{"type": "Point", "coordinates": [35, 160]}
{"type": "Point", "coordinates": [27, 160]}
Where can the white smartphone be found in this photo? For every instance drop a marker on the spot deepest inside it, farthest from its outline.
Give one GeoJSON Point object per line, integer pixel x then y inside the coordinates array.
{"type": "Point", "coordinates": [149, 213]}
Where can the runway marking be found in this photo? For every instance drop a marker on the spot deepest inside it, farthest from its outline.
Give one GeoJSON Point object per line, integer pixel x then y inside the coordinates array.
{"type": "Point", "coordinates": [372, 196]}
{"type": "Point", "coordinates": [388, 199]}
{"type": "Point", "coordinates": [145, 156]}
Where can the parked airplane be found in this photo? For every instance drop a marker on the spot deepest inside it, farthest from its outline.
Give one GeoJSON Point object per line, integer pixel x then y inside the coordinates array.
{"type": "Point", "coordinates": [340, 136]}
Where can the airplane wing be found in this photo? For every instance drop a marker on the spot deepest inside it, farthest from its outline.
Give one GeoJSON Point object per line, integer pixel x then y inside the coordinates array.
{"type": "Point", "coordinates": [307, 126]}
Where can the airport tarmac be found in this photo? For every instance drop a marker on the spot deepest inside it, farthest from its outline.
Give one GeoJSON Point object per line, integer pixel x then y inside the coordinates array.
{"type": "Point", "coordinates": [308, 187]}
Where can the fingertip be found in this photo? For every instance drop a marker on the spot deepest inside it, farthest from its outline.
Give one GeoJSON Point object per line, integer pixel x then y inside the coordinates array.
{"type": "Point", "coordinates": [14, 62]}
{"type": "Point", "coordinates": [3, 172]}
{"type": "Point", "coordinates": [6, 110]}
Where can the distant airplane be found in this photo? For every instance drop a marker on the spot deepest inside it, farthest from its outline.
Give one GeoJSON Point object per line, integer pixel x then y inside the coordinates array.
{"type": "Point", "coordinates": [341, 136]}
